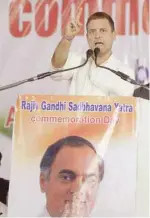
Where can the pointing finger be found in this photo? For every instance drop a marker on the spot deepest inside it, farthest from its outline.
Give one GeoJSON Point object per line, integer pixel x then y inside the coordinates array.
{"type": "Point", "coordinates": [79, 15]}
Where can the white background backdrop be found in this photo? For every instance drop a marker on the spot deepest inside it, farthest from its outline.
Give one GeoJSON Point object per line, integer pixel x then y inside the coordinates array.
{"type": "Point", "coordinates": [25, 57]}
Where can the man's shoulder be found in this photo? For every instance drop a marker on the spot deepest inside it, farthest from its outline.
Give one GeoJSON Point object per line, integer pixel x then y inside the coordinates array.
{"type": "Point", "coordinates": [74, 59]}
{"type": "Point", "coordinates": [121, 66]}
{"type": "Point", "coordinates": [77, 55]}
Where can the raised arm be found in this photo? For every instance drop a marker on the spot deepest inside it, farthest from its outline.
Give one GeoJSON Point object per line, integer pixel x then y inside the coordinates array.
{"type": "Point", "coordinates": [60, 55]}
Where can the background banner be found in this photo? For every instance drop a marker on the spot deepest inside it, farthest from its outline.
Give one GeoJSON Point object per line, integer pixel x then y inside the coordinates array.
{"type": "Point", "coordinates": [30, 31]}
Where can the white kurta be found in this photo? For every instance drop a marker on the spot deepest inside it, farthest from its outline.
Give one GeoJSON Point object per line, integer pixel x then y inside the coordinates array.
{"type": "Point", "coordinates": [92, 80]}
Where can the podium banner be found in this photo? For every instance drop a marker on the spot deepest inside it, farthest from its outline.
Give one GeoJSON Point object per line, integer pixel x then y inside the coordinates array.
{"type": "Point", "coordinates": [43, 178]}
{"type": "Point", "coordinates": [30, 32]}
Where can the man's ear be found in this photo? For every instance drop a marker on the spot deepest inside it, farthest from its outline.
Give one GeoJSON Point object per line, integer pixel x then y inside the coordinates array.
{"type": "Point", "coordinates": [114, 35]}
{"type": "Point", "coordinates": [43, 182]}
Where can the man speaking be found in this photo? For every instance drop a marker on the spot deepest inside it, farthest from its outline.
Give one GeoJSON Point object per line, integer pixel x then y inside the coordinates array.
{"type": "Point", "coordinates": [71, 172]}
{"type": "Point", "coordinates": [90, 79]}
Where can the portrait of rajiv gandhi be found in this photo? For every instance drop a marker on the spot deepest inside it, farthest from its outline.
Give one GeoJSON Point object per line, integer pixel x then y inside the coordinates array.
{"type": "Point", "coordinates": [70, 174]}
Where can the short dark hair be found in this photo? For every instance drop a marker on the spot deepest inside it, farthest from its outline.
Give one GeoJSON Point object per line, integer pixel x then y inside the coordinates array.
{"type": "Point", "coordinates": [72, 141]}
{"type": "Point", "coordinates": [101, 15]}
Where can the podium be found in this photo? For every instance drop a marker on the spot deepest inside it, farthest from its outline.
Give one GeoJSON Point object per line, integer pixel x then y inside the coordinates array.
{"type": "Point", "coordinates": [142, 92]}
{"type": "Point", "coordinates": [116, 127]}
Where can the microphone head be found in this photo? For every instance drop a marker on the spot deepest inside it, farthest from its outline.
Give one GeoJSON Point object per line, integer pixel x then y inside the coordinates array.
{"type": "Point", "coordinates": [89, 53]}
{"type": "Point", "coordinates": [96, 51]}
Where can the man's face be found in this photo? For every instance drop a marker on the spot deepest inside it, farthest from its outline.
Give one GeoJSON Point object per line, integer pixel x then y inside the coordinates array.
{"type": "Point", "coordinates": [72, 180]}
{"type": "Point", "coordinates": [100, 34]}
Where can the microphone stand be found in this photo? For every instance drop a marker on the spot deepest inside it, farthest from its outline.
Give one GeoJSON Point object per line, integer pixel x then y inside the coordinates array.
{"type": "Point", "coordinates": [89, 53]}
{"type": "Point", "coordinates": [118, 73]}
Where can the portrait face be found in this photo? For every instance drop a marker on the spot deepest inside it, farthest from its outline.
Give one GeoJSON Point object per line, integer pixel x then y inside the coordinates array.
{"type": "Point", "coordinates": [100, 34]}
{"type": "Point", "coordinates": [73, 182]}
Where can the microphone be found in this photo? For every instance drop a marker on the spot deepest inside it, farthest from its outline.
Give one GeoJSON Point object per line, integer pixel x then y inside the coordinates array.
{"type": "Point", "coordinates": [118, 73]}
{"type": "Point", "coordinates": [89, 53]}
{"type": "Point", "coordinates": [96, 52]}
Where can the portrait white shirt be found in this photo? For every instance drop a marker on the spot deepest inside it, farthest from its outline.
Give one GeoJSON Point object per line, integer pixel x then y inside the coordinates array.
{"type": "Point", "coordinates": [45, 213]}
{"type": "Point", "coordinates": [92, 80]}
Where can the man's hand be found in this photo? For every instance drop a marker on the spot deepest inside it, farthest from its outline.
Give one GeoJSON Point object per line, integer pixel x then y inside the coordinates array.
{"type": "Point", "coordinates": [61, 53]}
{"type": "Point", "coordinates": [79, 207]}
{"type": "Point", "coordinates": [74, 27]}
